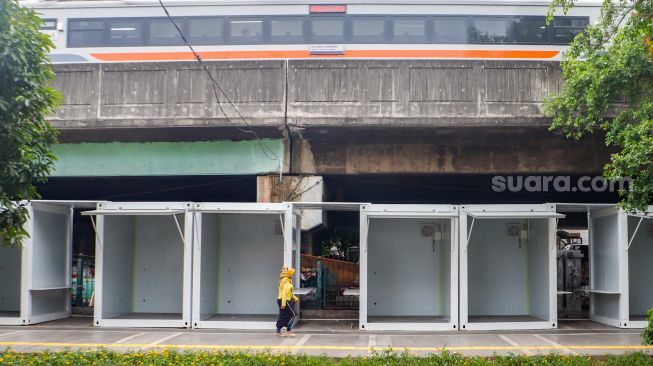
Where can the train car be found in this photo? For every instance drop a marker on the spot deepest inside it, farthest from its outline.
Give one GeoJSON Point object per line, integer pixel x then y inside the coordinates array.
{"type": "Point", "coordinates": [140, 31]}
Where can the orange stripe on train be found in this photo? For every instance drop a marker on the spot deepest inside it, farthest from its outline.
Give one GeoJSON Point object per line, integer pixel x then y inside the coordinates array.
{"type": "Point", "coordinates": [230, 55]}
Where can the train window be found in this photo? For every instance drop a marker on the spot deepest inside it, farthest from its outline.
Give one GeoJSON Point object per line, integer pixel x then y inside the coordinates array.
{"type": "Point", "coordinates": [125, 32]}
{"type": "Point", "coordinates": [490, 30]}
{"type": "Point", "coordinates": [205, 31]}
{"type": "Point", "coordinates": [327, 29]}
{"type": "Point", "coordinates": [409, 30]}
{"type": "Point", "coordinates": [368, 29]}
{"type": "Point", "coordinates": [85, 33]}
{"type": "Point", "coordinates": [287, 30]}
{"type": "Point", "coordinates": [530, 30]}
{"type": "Point", "coordinates": [323, 28]}
{"type": "Point", "coordinates": [566, 28]}
{"type": "Point", "coordinates": [163, 32]}
{"type": "Point", "coordinates": [49, 24]}
{"type": "Point", "coordinates": [246, 30]}
{"type": "Point", "coordinates": [451, 29]}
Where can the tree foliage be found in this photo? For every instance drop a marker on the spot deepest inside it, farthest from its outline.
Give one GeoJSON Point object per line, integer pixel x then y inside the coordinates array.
{"type": "Point", "coordinates": [25, 98]}
{"type": "Point", "coordinates": [608, 74]}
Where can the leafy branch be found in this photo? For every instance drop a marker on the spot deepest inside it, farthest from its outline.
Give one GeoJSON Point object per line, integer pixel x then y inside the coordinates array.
{"type": "Point", "coordinates": [608, 74]}
{"type": "Point", "coordinates": [26, 97]}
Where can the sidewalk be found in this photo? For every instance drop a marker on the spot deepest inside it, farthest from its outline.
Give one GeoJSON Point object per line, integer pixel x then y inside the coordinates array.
{"type": "Point", "coordinates": [336, 339]}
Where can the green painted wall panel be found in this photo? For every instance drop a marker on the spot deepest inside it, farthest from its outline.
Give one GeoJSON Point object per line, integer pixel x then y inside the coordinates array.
{"type": "Point", "coordinates": [166, 158]}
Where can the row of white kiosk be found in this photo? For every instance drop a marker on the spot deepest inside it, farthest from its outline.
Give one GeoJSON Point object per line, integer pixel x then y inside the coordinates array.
{"type": "Point", "coordinates": [422, 267]}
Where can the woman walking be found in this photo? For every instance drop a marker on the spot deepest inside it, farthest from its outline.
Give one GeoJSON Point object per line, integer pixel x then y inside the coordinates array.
{"type": "Point", "coordinates": [286, 301]}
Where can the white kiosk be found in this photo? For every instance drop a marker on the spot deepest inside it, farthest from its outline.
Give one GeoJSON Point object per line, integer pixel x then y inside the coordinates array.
{"type": "Point", "coordinates": [238, 252]}
{"type": "Point", "coordinates": [143, 264]}
{"type": "Point", "coordinates": [35, 279]}
{"type": "Point", "coordinates": [409, 267]}
{"type": "Point", "coordinates": [621, 248]}
{"type": "Point", "coordinates": [508, 267]}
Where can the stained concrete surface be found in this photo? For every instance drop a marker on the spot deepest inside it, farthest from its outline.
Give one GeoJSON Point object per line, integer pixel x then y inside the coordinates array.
{"type": "Point", "coordinates": [333, 338]}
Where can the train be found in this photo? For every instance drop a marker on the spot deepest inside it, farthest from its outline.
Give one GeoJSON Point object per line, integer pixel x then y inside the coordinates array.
{"type": "Point", "coordinates": [141, 31]}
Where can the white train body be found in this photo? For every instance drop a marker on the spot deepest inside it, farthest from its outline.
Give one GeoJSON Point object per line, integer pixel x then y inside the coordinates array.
{"type": "Point", "coordinates": [139, 31]}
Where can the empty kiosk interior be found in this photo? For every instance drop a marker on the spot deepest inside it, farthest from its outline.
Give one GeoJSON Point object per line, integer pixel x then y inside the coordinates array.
{"type": "Point", "coordinates": [620, 254]}
{"type": "Point", "coordinates": [409, 267]}
{"type": "Point", "coordinates": [143, 264]}
{"type": "Point", "coordinates": [35, 276]}
{"type": "Point", "coordinates": [508, 267]}
{"type": "Point", "coordinates": [239, 251]}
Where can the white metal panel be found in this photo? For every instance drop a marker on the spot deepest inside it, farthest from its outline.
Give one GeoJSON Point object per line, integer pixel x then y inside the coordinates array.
{"type": "Point", "coordinates": [75, 204]}
{"type": "Point", "coordinates": [637, 324]}
{"type": "Point", "coordinates": [498, 278]}
{"type": "Point", "coordinates": [205, 265]}
{"type": "Point", "coordinates": [509, 325]}
{"type": "Point", "coordinates": [251, 255]}
{"type": "Point", "coordinates": [10, 279]}
{"type": "Point", "coordinates": [538, 270]}
{"type": "Point", "coordinates": [463, 269]}
{"type": "Point", "coordinates": [498, 208]}
{"type": "Point", "coordinates": [516, 214]}
{"type": "Point", "coordinates": [605, 250]}
{"type": "Point", "coordinates": [157, 266]}
{"type": "Point", "coordinates": [363, 268]}
{"type": "Point", "coordinates": [47, 260]}
{"type": "Point", "coordinates": [390, 209]}
{"type": "Point", "coordinates": [141, 323]}
{"type": "Point", "coordinates": [408, 275]}
{"type": "Point", "coordinates": [241, 207]}
{"type": "Point", "coordinates": [606, 309]}
{"type": "Point", "coordinates": [412, 215]}
{"type": "Point", "coordinates": [296, 229]}
{"type": "Point", "coordinates": [581, 207]}
{"type": "Point", "coordinates": [330, 206]}
{"type": "Point", "coordinates": [606, 270]}
{"type": "Point", "coordinates": [237, 325]}
{"type": "Point", "coordinates": [131, 212]}
{"type": "Point", "coordinates": [47, 303]}
{"type": "Point", "coordinates": [51, 246]}
{"type": "Point", "coordinates": [640, 270]}
{"type": "Point", "coordinates": [46, 266]}
{"type": "Point", "coordinates": [10, 320]}
{"type": "Point", "coordinates": [117, 258]}
{"type": "Point", "coordinates": [407, 326]}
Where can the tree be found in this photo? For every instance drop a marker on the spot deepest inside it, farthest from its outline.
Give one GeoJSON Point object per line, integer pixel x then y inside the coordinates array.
{"type": "Point", "coordinates": [612, 61]}
{"type": "Point", "coordinates": [25, 98]}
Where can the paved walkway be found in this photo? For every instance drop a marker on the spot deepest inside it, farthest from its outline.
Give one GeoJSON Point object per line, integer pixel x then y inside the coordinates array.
{"type": "Point", "coordinates": [333, 339]}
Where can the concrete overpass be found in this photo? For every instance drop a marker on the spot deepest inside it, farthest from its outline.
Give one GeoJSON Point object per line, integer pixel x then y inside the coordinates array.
{"type": "Point", "coordinates": [320, 116]}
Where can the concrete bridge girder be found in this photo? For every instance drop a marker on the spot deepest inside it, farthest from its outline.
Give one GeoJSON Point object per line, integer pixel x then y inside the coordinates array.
{"type": "Point", "coordinates": [335, 116]}
{"type": "Point", "coordinates": [318, 93]}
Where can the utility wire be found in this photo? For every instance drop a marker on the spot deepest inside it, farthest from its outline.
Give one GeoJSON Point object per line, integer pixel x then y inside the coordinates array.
{"type": "Point", "coordinates": [216, 86]}
{"type": "Point", "coordinates": [177, 188]}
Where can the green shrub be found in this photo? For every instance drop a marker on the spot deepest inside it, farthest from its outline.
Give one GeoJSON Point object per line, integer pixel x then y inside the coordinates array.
{"type": "Point", "coordinates": [169, 358]}
{"type": "Point", "coordinates": [647, 336]}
